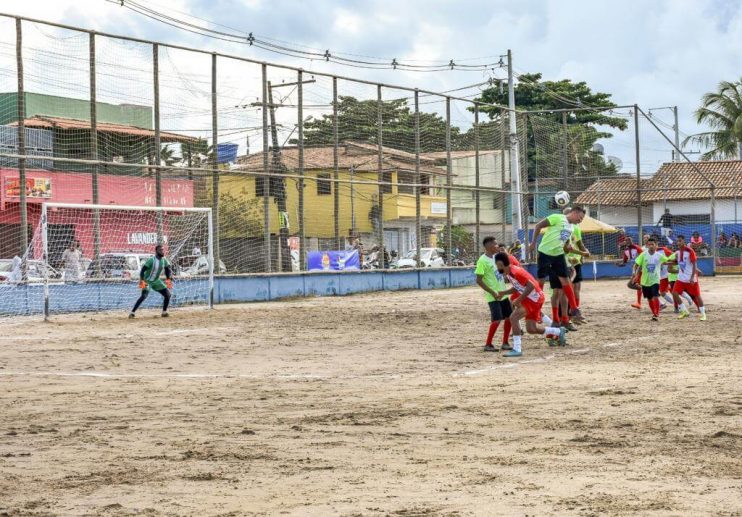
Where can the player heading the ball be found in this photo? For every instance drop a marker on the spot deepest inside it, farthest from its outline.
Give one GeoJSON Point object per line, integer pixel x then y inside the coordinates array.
{"type": "Point", "coordinates": [150, 278]}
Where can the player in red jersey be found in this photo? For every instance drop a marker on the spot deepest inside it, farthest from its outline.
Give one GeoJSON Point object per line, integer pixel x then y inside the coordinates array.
{"type": "Point", "coordinates": [630, 252]}
{"type": "Point", "coordinates": [527, 299]}
{"type": "Point", "coordinates": [513, 259]}
{"type": "Point", "coordinates": [687, 281]}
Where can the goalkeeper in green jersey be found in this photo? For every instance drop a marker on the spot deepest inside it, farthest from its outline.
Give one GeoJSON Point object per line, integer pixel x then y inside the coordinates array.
{"type": "Point", "coordinates": [150, 278]}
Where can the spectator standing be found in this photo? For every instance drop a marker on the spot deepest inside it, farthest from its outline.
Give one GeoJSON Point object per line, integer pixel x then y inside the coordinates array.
{"type": "Point", "coordinates": [666, 222]}
{"type": "Point", "coordinates": [72, 258]}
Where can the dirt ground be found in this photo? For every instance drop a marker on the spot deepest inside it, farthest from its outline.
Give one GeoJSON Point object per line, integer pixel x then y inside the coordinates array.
{"type": "Point", "coordinates": [382, 404]}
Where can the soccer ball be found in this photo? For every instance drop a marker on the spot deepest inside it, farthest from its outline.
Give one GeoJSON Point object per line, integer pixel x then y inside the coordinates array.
{"type": "Point", "coordinates": [561, 198]}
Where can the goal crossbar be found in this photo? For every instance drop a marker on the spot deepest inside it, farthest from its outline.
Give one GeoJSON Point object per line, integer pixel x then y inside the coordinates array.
{"type": "Point", "coordinates": [87, 206]}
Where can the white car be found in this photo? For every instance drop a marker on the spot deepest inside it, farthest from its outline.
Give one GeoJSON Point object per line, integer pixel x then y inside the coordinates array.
{"type": "Point", "coordinates": [34, 272]}
{"type": "Point", "coordinates": [123, 266]}
{"type": "Point", "coordinates": [429, 257]}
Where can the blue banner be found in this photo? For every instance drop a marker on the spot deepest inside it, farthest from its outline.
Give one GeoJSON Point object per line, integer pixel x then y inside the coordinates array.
{"type": "Point", "coordinates": [333, 261]}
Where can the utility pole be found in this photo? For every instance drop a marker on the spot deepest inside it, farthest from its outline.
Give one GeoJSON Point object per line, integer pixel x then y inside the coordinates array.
{"type": "Point", "coordinates": [517, 222]}
{"type": "Point", "coordinates": [676, 127]}
{"type": "Point", "coordinates": [277, 186]}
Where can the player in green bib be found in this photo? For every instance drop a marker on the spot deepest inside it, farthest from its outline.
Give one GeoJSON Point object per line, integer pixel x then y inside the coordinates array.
{"type": "Point", "coordinates": [552, 262]}
{"type": "Point", "coordinates": [650, 262]}
{"type": "Point", "coordinates": [150, 277]}
{"type": "Point", "coordinates": [492, 281]}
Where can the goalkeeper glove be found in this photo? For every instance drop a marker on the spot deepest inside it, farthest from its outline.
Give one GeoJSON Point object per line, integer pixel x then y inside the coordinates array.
{"type": "Point", "coordinates": [142, 284]}
{"type": "Point", "coordinates": [169, 283]}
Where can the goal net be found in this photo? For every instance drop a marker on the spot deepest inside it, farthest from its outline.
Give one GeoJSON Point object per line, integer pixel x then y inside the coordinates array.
{"type": "Point", "coordinates": [88, 257]}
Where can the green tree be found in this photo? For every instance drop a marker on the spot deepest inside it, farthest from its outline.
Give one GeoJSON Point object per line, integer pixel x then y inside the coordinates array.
{"type": "Point", "coordinates": [358, 121]}
{"type": "Point", "coordinates": [462, 241]}
{"type": "Point", "coordinates": [545, 135]}
{"type": "Point", "coordinates": [722, 111]}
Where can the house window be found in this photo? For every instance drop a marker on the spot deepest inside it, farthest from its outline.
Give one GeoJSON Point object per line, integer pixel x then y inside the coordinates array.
{"type": "Point", "coordinates": [324, 185]}
{"type": "Point", "coordinates": [259, 186]}
{"type": "Point", "coordinates": [386, 178]}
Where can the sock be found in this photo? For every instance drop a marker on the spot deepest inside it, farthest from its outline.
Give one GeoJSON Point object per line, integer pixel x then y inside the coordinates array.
{"type": "Point", "coordinates": [639, 297]}
{"type": "Point", "coordinates": [570, 293]}
{"type": "Point", "coordinates": [516, 343]}
{"type": "Point", "coordinates": [687, 298]}
{"type": "Point", "coordinates": [668, 298]}
{"type": "Point", "coordinates": [555, 313]}
{"type": "Point", "coordinates": [702, 310]}
{"type": "Point", "coordinates": [654, 305]}
{"type": "Point", "coordinates": [552, 331]}
{"type": "Point", "coordinates": [565, 320]}
{"type": "Point", "coordinates": [506, 331]}
{"type": "Point", "coordinates": [683, 307]}
{"type": "Point", "coordinates": [547, 320]}
{"type": "Point", "coordinates": [492, 330]}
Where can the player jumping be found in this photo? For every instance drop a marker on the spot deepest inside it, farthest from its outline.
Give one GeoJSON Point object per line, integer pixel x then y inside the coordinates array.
{"type": "Point", "coordinates": [527, 299]}
{"type": "Point", "coordinates": [552, 262]}
{"type": "Point", "coordinates": [149, 278]}
{"type": "Point", "coordinates": [687, 281]}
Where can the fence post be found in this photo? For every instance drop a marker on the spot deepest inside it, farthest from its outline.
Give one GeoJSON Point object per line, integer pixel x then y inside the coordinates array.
{"type": "Point", "coordinates": [335, 168]}
{"type": "Point", "coordinates": [638, 173]}
{"type": "Point", "coordinates": [526, 212]}
{"type": "Point", "coordinates": [503, 196]}
{"type": "Point", "coordinates": [21, 140]}
{"type": "Point", "coordinates": [477, 196]}
{"type": "Point", "coordinates": [713, 224]}
{"type": "Point", "coordinates": [215, 165]}
{"type": "Point", "coordinates": [418, 228]}
{"type": "Point", "coordinates": [94, 150]}
{"type": "Point", "coordinates": [265, 178]}
{"type": "Point", "coordinates": [380, 175]}
{"type": "Point", "coordinates": [300, 148]}
{"type": "Point", "coordinates": [157, 146]}
{"type": "Point", "coordinates": [449, 210]}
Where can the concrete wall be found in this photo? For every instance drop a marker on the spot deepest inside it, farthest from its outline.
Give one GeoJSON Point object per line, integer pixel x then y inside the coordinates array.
{"type": "Point", "coordinates": [94, 296]}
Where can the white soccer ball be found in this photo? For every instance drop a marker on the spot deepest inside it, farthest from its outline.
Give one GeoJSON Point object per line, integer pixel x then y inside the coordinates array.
{"type": "Point", "coordinates": [561, 198]}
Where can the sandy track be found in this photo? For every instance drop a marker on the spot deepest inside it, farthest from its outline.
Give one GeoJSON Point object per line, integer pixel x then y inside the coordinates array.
{"type": "Point", "coordinates": [375, 404]}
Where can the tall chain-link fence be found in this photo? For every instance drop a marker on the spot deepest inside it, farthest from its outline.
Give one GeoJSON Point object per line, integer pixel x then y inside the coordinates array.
{"type": "Point", "coordinates": [308, 171]}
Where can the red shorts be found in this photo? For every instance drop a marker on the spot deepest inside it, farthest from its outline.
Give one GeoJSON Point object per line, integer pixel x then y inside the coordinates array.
{"type": "Point", "coordinates": [533, 309]}
{"type": "Point", "coordinates": [694, 290]}
{"type": "Point", "coordinates": [664, 285]}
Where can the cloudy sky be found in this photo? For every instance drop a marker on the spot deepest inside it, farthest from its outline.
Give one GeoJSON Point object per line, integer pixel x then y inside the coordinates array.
{"type": "Point", "coordinates": [651, 52]}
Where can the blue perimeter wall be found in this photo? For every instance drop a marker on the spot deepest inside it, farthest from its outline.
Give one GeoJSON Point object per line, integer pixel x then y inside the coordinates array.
{"type": "Point", "coordinates": [27, 300]}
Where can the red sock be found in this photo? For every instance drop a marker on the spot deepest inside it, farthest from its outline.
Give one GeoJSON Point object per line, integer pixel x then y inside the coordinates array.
{"type": "Point", "coordinates": [506, 331]}
{"type": "Point", "coordinates": [565, 320]}
{"type": "Point", "coordinates": [555, 313]}
{"type": "Point", "coordinates": [491, 333]}
{"type": "Point", "coordinates": [567, 288]}
{"type": "Point", "coordinates": [654, 305]}
{"type": "Point", "coordinates": [639, 297]}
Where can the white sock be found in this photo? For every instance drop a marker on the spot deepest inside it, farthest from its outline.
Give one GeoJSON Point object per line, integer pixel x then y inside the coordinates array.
{"type": "Point", "coordinates": [668, 298]}
{"type": "Point", "coordinates": [547, 320]}
{"type": "Point", "coordinates": [683, 307]}
{"type": "Point", "coordinates": [702, 310]}
{"type": "Point", "coordinates": [552, 331]}
{"type": "Point", "coordinates": [688, 298]}
{"type": "Point", "coordinates": [516, 343]}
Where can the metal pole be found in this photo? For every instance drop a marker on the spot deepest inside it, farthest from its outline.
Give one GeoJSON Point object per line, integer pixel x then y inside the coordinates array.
{"type": "Point", "coordinates": [418, 227]}
{"type": "Point", "coordinates": [477, 195]}
{"type": "Point", "coordinates": [158, 149]}
{"type": "Point", "coordinates": [525, 211]}
{"type": "Point", "coordinates": [210, 224]}
{"type": "Point", "coordinates": [565, 140]}
{"type": "Point", "coordinates": [713, 223]}
{"type": "Point", "coordinates": [638, 173]}
{"type": "Point", "coordinates": [94, 150]}
{"type": "Point", "coordinates": [300, 147]}
{"type": "Point", "coordinates": [266, 177]}
{"type": "Point", "coordinates": [676, 127]}
{"type": "Point", "coordinates": [449, 210]}
{"type": "Point", "coordinates": [335, 168]}
{"type": "Point", "coordinates": [45, 246]}
{"type": "Point", "coordinates": [214, 160]}
{"type": "Point", "coordinates": [503, 197]}
{"type": "Point", "coordinates": [380, 175]}
{"type": "Point", "coordinates": [21, 141]}
{"type": "Point", "coordinates": [514, 162]}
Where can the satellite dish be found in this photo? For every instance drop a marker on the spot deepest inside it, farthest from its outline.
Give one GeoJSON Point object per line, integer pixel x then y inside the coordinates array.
{"type": "Point", "coordinates": [615, 161]}
{"type": "Point", "coordinates": [598, 148]}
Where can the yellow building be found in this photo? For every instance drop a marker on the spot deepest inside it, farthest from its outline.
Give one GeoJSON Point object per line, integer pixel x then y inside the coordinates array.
{"type": "Point", "coordinates": [358, 203]}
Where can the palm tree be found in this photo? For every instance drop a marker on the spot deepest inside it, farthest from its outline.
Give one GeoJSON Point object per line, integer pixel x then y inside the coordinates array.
{"type": "Point", "coordinates": [722, 111]}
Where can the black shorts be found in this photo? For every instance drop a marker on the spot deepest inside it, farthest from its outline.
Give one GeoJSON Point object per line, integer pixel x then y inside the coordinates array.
{"type": "Point", "coordinates": [500, 310]}
{"type": "Point", "coordinates": [578, 274]}
{"type": "Point", "coordinates": [554, 281]}
{"type": "Point", "coordinates": [552, 267]}
{"type": "Point", "coordinates": [651, 291]}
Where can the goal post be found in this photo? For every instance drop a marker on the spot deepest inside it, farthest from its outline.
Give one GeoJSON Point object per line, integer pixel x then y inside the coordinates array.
{"type": "Point", "coordinates": [92, 255]}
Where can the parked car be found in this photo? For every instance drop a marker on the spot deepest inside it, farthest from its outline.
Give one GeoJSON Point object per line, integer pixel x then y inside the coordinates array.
{"type": "Point", "coordinates": [429, 257]}
{"type": "Point", "coordinates": [35, 270]}
{"type": "Point", "coordinates": [124, 266]}
{"type": "Point", "coordinates": [195, 265]}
